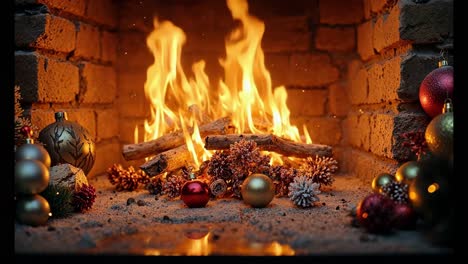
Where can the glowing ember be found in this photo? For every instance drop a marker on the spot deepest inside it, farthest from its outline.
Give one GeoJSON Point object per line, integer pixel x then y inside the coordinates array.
{"type": "Point", "coordinates": [246, 95]}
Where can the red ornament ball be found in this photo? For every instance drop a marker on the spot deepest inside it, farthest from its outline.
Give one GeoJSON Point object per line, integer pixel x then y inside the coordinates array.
{"type": "Point", "coordinates": [435, 88]}
{"type": "Point", "coordinates": [375, 213]}
{"type": "Point", "coordinates": [26, 131]}
{"type": "Point", "coordinates": [195, 193]}
{"type": "Point", "coordinates": [404, 216]}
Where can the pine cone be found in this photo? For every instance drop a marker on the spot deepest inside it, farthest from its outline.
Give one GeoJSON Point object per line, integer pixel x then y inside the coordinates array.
{"type": "Point", "coordinates": [84, 198]}
{"type": "Point", "coordinates": [303, 191]}
{"type": "Point", "coordinates": [286, 177]}
{"type": "Point", "coordinates": [218, 187]}
{"type": "Point", "coordinates": [321, 169]}
{"type": "Point", "coordinates": [173, 185]}
{"type": "Point", "coordinates": [114, 172]}
{"type": "Point", "coordinates": [237, 189]}
{"type": "Point", "coordinates": [128, 181]}
{"type": "Point", "coordinates": [397, 191]}
{"type": "Point", "coordinates": [246, 158]}
{"type": "Point", "coordinates": [219, 165]}
{"type": "Point", "coordinates": [155, 186]}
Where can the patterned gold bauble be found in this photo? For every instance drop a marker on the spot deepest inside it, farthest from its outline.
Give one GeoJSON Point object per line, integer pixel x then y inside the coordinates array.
{"type": "Point", "coordinates": [69, 142]}
{"type": "Point", "coordinates": [31, 177]}
{"type": "Point", "coordinates": [408, 171]}
{"type": "Point", "coordinates": [258, 190]}
{"type": "Point", "coordinates": [380, 180]}
{"type": "Point", "coordinates": [32, 151]}
{"type": "Point", "coordinates": [439, 133]}
{"type": "Point", "coordinates": [33, 210]}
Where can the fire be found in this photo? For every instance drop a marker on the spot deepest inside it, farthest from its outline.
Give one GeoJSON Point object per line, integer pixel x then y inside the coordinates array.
{"type": "Point", "coordinates": [246, 94]}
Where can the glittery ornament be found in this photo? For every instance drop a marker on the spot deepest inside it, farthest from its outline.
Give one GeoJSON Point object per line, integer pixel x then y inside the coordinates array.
{"type": "Point", "coordinates": [258, 190]}
{"type": "Point", "coordinates": [408, 171]}
{"type": "Point", "coordinates": [404, 216]}
{"type": "Point", "coordinates": [32, 151]}
{"type": "Point", "coordinates": [439, 133]}
{"type": "Point", "coordinates": [375, 213]}
{"type": "Point", "coordinates": [436, 87]}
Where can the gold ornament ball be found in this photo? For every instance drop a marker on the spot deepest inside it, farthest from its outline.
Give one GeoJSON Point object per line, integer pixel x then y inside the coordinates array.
{"type": "Point", "coordinates": [29, 151]}
{"type": "Point", "coordinates": [380, 180]}
{"type": "Point", "coordinates": [33, 210]}
{"type": "Point", "coordinates": [439, 135]}
{"type": "Point", "coordinates": [31, 177]}
{"type": "Point", "coordinates": [258, 190]}
{"type": "Point", "coordinates": [408, 172]}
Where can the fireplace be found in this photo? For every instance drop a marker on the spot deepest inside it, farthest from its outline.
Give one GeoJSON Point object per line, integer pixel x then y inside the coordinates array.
{"type": "Point", "coordinates": [351, 69]}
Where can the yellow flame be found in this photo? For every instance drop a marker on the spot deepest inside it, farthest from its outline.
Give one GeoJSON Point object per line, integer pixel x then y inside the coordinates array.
{"type": "Point", "coordinates": [245, 94]}
{"type": "Point", "coordinates": [199, 247]}
{"type": "Point", "coordinates": [432, 188]}
{"type": "Point", "coordinates": [135, 135]}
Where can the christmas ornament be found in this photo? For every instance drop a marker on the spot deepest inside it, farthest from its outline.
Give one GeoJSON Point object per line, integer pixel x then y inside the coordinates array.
{"type": "Point", "coordinates": [195, 193]}
{"type": "Point", "coordinates": [303, 191]}
{"type": "Point", "coordinates": [408, 171]}
{"type": "Point", "coordinates": [31, 151]}
{"type": "Point", "coordinates": [258, 190]}
{"type": "Point", "coordinates": [435, 88]}
{"type": "Point", "coordinates": [397, 191]}
{"type": "Point", "coordinates": [32, 210]}
{"type": "Point", "coordinates": [429, 194]}
{"type": "Point", "coordinates": [31, 177]}
{"type": "Point", "coordinates": [69, 142]}
{"type": "Point", "coordinates": [381, 180]}
{"type": "Point", "coordinates": [404, 216]}
{"type": "Point", "coordinates": [439, 133]}
{"type": "Point", "coordinates": [68, 176]}
{"type": "Point", "coordinates": [375, 213]}
{"type": "Point", "coordinates": [218, 187]}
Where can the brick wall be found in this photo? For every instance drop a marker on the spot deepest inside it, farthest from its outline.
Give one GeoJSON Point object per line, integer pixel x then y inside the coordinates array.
{"type": "Point", "coordinates": [65, 59]}
{"type": "Point", "coordinates": [398, 43]}
{"type": "Point", "coordinates": [352, 68]}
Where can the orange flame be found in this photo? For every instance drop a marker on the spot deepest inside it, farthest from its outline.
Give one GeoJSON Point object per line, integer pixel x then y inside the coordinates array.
{"type": "Point", "coordinates": [245, 94]}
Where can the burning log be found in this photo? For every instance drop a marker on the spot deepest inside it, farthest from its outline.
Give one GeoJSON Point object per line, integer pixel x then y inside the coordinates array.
{"type": "Point", "coordinates": [269, 142]}
{"type": "Point", "coordinates": [175, 139]}
{"type": "Point", "coordinates": [169, 160]}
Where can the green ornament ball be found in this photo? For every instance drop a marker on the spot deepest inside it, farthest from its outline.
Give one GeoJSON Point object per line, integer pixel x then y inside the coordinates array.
{"type": "Point", "coordinates": [381, 180]}
{"type": "Point", "coordinates": [408, 172]}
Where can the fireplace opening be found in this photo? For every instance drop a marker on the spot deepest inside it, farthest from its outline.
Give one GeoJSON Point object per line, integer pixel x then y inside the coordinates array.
{"type": "Point", "coordinates": [163, 88]}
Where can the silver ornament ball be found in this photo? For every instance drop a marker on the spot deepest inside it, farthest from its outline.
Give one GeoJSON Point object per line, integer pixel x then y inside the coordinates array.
{"type": "Point", "coordinates": [33, 210]}
{"type": "Point", "coordinates": [31, 177]}
{"type": "Point", "coordinates": [30, 151]}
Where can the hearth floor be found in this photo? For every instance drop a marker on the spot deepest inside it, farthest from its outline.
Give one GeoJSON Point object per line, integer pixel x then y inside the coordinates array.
{"type": "Point", "coordinates": [223, 227]}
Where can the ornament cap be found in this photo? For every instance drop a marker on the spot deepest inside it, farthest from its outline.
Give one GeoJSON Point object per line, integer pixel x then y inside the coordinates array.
{"type": "Point", "coordinates": [448, 106]}
{"type": "Point", "coordinates": [192, 176]}
{"type": "Point", "coordinates": [443, 63]}
{"type": "Point", "coordinates": [61, 116]}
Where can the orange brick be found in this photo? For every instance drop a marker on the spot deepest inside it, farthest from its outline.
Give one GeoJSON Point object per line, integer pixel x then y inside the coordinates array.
{"type": "Point", "coordinates": [338, 100]}
{"type": "Point", "coordinates": [322, 130]}
{"type": "Point", "coordinates": [384, 80]}
{"type": "Point", "coordinates": [357, 130]}
{"type": "Point", "coordinates": [45, 32]}
{"type": "Point", "coordinates": [386, 30]}
{"type": "Point", "coordinates": [106, 155]}
{"type": "Point", "coordinates": [107, 123]}
{"type": "Point", "coordinates": [131, 99]}
{"type": "Point", "coordinates": [377, 5]}
{"type": "Point", "coordinates": [365, 44]}
{"type": "Point", "coordinates": [312, 70]}
{"type": "Point", "coordinates": [335, 39]}
{"type": "Point", "coordinates": [42, 118]}
{"type": "Point", "coordinates": [341, 12]}
{"type": "Point", "coordinates": [45, 80]}
{"type": "Point", "coordinates": [87, 42]}
{"type": "Point", "coordinates": [358, 84]}
{"type": "Point", "coordinates": [286, 34]}
{"type": "Point", "coordinates": [133, 54]}
{"type": "Point", "coordinates": [75, 7]}
{"type": "Point", "coordinates": [103, 12]}
{"type": "Point", "coordinates": [381, 135]}
{"type": "Point", "coordinates": [100, 83]}
{"type": "Point", "coordinates": [275, 64]}
{"type": "Point", "coordinates": [306, 102]}
{"type": "Point", "coordinates": [109, 44]}
{"type": "Point", "coordinates": [366, 165]}
{"type": "Point", "coordinates": [127, 130]}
